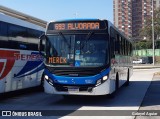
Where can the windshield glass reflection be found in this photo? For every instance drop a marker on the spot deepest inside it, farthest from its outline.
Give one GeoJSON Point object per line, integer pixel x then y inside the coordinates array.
{"type": "Point", "coordinates": [77, 50]}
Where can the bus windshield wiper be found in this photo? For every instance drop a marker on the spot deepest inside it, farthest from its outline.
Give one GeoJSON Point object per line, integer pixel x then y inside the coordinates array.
{"type": "Point", "coordinates": [88, 37]}
{"type": "Point", "coordinates": [65, 40]}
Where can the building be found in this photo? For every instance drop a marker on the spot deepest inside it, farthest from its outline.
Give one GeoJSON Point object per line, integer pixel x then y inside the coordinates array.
{"type": "Point", "coordinates": [123, 16]}
{"type": "Point", "coordinates": [141, 11]}
{"type": "Point", "coordinates": [130, 15]}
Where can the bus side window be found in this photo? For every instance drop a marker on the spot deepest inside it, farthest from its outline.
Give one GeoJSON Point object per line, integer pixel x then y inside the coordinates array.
{"type": "Point", "coordinates": [112, 47]}
{"type": "Point", "coordinates": [121, 47]}
{"type": "Point", "coordinates": [112, 42]}
{"type": "Point", "coordinates": [117, 45]}
{"type": "Point", "coordinates": [3, 29]}
{"type": "Point", "coordinates": [4, 35]}
{"type": "Point", "coordinates": [127, 48]}
{"type": "Point", "coordinates": [131, 49]}
{"type": "Point", "coordinates": [124, 46]}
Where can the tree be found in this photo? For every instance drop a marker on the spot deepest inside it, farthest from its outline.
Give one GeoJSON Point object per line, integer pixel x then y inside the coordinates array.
{"type": "Point", "coordinates": [142, 45]}
{"type": "Point", "coordinates": [146, 31]}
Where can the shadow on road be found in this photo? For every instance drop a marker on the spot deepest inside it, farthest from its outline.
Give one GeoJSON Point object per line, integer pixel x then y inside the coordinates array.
{"type": "Point", "coordinates": [125, 96]}
{"type": "Point", "coordinates": [130, 96]}
{"type": "Point", "coordinates": [152, 97]}
{"type": "Point", "coordinates": [20, 93]}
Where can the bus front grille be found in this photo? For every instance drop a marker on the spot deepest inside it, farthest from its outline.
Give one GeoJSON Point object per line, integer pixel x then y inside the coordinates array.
{"type": "Point", "coordinates": [64, 88]}
{"type": "Point", "coordinates": [75, 72]}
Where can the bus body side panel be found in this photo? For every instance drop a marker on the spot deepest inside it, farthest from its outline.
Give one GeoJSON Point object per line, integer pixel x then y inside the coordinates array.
{"type": "Point", "coordinates": [120, 63]}
{"type": "Point", "coordinates": [21, 70]}
{"type": "Point", "coordinates": [2, 85]}
{"type": "Point", "coordinates": [112, 77]}
{"type": "Point", "coordinates": [122, 71]}
{"type": "Point", "coordinates": [121, 67]}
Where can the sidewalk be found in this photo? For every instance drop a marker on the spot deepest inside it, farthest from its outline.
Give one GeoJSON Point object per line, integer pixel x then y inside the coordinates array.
{"type": "Point", "coordinates": [151, 100]}
{"type": "Point", "coordinates": [145, 66]}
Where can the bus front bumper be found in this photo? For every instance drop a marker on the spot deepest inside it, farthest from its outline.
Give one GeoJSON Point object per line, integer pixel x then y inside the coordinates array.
{"type": "Point", "coordinates": [102, 89]}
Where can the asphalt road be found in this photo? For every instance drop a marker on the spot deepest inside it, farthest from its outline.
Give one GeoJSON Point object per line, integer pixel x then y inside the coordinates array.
{"type": "Point", "coordinates": [127, 98]}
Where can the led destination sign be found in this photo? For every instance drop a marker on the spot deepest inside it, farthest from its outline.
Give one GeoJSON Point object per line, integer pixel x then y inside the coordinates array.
{"type": "Point", "coordinates": [77, 26]}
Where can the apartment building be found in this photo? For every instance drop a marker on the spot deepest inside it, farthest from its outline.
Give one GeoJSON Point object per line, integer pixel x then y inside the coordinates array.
{"type": "Point", "coordinates": [123, 16]}
{"type": "Point", "coordinates": [130, 15]}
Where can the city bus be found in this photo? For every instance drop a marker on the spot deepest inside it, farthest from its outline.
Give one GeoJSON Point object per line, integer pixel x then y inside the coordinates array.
{"type": "Point", "coordinates": [85, 57]}
{"type": "Point", "coordinates": [21, 65]}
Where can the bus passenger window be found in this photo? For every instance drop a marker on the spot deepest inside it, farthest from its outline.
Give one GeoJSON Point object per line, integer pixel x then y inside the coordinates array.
{"type": "Point", "coordinates": [3, 29]}
{"type": "Point", "coordinates": [112, 43]}
{"type": "Point", "coordinates": [117, 45]}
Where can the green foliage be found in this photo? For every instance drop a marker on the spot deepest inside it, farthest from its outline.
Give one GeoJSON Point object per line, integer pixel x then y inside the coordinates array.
{"type": "Point", "coordinates": [142, 45]}
{"type": "Point", "coordinates": [146, 31]}
{"type": "Point", "coordinates": [157, 44]}
{"type": "Point", "coordinates": [145, 45]}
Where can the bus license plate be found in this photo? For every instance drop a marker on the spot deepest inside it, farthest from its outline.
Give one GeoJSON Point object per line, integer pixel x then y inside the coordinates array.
{"type": "Point", "coordinates": [73, 89]}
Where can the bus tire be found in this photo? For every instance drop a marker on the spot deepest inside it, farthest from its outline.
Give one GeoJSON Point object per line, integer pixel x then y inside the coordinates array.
{"type": "Point", "coordinates": [112, 95]}
{"type": "Point", "coordinates": [117, 82]}
{"type": "Point", "coordinates": [42, 82]}
{"type": "Point", "coordinates": [127, 82]}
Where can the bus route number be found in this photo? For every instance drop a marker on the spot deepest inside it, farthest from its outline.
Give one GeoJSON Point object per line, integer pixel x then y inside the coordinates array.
{"type": "Point", "coordinates": [77, 26]}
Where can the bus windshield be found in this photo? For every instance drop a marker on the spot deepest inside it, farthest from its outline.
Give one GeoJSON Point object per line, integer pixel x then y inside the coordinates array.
{"type": "Point", "coordinates": [78, 50]}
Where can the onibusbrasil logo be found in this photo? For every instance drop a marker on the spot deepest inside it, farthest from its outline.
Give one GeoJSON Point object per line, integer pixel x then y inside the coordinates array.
{"type": "Point", "coordinates": [21, 113]}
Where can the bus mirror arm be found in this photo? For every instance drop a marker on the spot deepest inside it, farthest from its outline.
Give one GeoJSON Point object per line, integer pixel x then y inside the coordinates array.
{"type": "Point", "coordinates": [42, 44]}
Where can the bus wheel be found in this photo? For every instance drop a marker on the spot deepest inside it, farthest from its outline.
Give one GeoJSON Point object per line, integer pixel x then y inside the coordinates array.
{"type": "Point", "coordinates": [112, 95]}
{"type": "Point", "coordinates": [117, 82]}
{"type": "Point", "coordinates": [127, 83]}
{"type": "Point", "coordinates": [42, 82]}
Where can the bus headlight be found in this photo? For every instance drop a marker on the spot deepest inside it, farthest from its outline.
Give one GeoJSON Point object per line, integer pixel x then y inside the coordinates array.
{"type": "Point", "coordinates": [100, 81]}
{"type": "Point", "coordinates": [46, 77]}
{"type": "Point", "coordinates": [105, 78]}
{"type": "Point", "coordinates": [50, 81]}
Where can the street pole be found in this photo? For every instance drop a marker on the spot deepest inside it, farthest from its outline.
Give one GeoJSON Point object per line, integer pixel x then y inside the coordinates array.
{"type": "Point", "coordinates": [153, 33]}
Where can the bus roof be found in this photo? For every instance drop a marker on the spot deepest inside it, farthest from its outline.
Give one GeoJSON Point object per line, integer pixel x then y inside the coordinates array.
{"type": "Point", "coordinates": [12, 20]}
{"type": "Point", "coordinates": [80, 19]}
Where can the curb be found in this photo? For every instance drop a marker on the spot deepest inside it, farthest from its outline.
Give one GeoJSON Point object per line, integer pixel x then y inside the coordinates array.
{"type": "Point", "coordinates": [145, 67]}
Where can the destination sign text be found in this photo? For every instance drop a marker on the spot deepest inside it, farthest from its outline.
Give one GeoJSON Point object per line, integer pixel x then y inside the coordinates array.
{"type": "Point", "coordinates": [77, 26]}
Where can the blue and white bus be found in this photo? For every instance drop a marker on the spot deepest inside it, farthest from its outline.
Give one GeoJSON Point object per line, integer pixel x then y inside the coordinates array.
{"type": "Point", "coordinates": [85, 57]}
{"type": "Point", "coordinates": [21, 65]}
